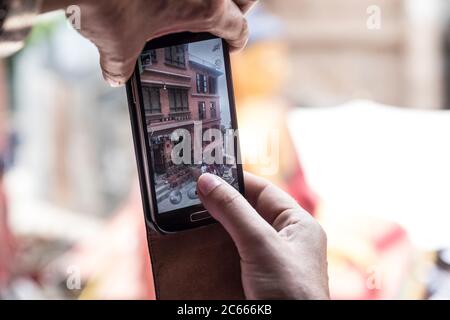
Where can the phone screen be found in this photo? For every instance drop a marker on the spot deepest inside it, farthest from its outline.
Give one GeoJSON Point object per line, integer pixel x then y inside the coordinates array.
{"type": "Point", "coordinates": [188, 116]}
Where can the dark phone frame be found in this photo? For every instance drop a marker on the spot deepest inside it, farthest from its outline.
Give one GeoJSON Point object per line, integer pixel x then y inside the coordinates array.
{"type": "Point", "coordinates": [179, 219]}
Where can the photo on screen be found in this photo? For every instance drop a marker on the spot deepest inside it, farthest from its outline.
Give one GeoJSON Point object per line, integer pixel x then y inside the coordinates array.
{"type": "Point", "coordinates": [184, 87]}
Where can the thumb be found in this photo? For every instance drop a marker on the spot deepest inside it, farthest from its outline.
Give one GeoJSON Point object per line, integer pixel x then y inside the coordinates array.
{"type": "Point", "coordinates": [245, 226]}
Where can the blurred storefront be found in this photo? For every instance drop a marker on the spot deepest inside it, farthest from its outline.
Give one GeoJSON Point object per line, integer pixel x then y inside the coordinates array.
{"type": "Point", "coordinates": [339, 51]}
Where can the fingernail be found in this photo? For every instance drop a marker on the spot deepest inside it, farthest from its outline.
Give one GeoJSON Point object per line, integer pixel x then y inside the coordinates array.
{"type": "Point", "coordinates": [114, 83]}
{"type": "Point", "coordinates": [207, 183]}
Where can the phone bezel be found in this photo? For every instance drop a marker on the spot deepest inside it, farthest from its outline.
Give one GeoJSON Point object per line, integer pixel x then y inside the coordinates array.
{"type": "Point", "coordinates": [179, 219]}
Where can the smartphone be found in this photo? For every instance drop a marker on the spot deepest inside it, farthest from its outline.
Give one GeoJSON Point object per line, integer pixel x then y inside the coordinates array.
{"type": "Point", "coordinates": [183, 120]}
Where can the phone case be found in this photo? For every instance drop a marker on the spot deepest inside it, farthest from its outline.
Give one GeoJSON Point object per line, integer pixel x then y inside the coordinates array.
{"type": "Point", "coordinates": [140, 159]}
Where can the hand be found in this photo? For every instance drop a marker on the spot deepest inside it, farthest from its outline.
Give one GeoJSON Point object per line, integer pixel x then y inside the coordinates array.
{"type": "Point", "coordinates": [120, 28]}
{"type": "Point", "coordinates": [282, 248]}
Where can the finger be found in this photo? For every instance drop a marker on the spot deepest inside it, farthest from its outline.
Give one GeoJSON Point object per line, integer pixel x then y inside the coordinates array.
{"type": "Point", "coordinates": [117, 66]}
{"type": "Point", "coordinates": [230, 208]}
{"type": "Point", "coordinates": [224, 19]}
{"type": "Point", "coordinates": [276, 206]}
{"type": "Point", "coordinates": [231, 25]}
{"type": "Point", "coordinates": [245, 5]}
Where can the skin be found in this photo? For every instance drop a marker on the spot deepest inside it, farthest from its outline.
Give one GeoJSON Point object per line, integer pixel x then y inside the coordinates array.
{"type": "Point", "coordinates": [120, 28]}
{"type": "Point", "coordinates": [282, 248]}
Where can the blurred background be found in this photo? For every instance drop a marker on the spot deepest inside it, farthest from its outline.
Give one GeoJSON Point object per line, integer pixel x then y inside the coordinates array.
{"type": "Point", "coordinates": [357, 92]}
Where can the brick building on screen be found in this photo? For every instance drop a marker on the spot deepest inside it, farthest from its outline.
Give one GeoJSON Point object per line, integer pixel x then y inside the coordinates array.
{"type": "Point", "coordinates": [178, 89]}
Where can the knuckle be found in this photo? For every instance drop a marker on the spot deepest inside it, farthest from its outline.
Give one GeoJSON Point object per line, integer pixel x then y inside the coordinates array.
{"type": "Point", "coordinates": [242, 35]}
{"type": "Point", "coordinates": [315, 229]}
{"type": "Point", "coordinates": [225, 199]}
{"type": "Point", "coordinates": [245, 29]}
{"type": "Point", "coordinates": [213, 10]}
{"type": "Point", "coordinates": [322, 234]}
{"type": "Point", "coordinates": [319, 232]}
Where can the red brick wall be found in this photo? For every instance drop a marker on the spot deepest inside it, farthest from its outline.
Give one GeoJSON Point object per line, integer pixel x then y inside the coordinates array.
{"type": "Point", "coordinates": [194, 97]}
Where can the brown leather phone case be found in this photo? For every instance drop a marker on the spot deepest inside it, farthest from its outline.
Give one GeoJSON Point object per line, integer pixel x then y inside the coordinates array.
{"type": "Point", "coordinates": [201, 263]}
